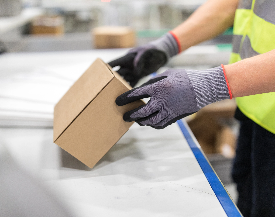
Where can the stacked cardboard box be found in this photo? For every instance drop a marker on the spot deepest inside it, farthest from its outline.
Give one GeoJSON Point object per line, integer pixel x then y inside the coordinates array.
{"type": "Point", "coordinates": [208, 126]}
{"type": "Point", "coordinates": [113, 37]}
{"type": "Point", "coordinates": [48, 25]}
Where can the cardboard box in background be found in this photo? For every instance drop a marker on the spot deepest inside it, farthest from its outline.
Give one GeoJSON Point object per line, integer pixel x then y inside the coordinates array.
{"type": "Point", "coordinates": [209, 128]}
{"type": "Point", "coordinates": [113, 37]}
{"type": "Point", "coordinates": [226, 142]}
{"type": "Point", "coordinates": [205, 129]}
{"type": "Point", "coordinates": [87, 121]}
{"type": "Point", "coordinates": [48, 25]}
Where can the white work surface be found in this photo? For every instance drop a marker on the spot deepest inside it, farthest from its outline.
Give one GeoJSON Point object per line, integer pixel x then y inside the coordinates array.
{"type": "Point", "coordinates": [147, 173]}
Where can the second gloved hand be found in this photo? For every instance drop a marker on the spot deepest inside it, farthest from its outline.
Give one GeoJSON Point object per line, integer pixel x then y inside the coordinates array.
{"type": "Point", "coordinates": [175, 94]}
{"type": "Point", "coordinates": [146, 59]}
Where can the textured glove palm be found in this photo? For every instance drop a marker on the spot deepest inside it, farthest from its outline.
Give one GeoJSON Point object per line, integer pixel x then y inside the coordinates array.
{"type": "Point", "coordinates": [146, 59]}
{"type": "Point", "coordinates": [175, 94]}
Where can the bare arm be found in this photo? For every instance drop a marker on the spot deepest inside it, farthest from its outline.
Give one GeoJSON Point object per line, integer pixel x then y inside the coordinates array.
{"type": "Point", "coordinates": [251, 76]}
{"type": "Point", "coordinates": [208, 21]}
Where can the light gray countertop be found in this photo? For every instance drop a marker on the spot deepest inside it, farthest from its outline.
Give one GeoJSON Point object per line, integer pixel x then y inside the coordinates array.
{"type": "Point", "coordinates": [147, 173]}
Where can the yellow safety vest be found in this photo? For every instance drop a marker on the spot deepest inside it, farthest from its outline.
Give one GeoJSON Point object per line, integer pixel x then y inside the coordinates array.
{"type": "Point", "coordinates": [254, 33]}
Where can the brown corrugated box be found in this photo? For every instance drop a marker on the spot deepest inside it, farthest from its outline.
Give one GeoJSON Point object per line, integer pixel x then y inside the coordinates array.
{"type": "Point", "coordinates": [226, 142]}
{"type": "Point", "coordinates": [210, 131]}
{"type": "Point", "coordinates": [113, 37]}
{"type": "Point", "coordinates": [87, 121]}
{"type": "Point", "coordinates": [48, 25]}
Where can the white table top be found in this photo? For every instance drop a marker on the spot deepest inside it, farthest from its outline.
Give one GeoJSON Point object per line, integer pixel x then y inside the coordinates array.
{"type": "Point", "coordinates": [148, 172]}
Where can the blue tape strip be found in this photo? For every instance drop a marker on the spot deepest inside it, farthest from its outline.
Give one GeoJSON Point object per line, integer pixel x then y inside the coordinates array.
{"type": "Point", "coordinates": [227, 204]}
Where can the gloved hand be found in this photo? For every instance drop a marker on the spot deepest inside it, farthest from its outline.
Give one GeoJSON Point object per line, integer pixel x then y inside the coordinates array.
{"type": "Point", "coordinates": [175, 94]}
{"type": "Point", "coordinates": [146, 59]}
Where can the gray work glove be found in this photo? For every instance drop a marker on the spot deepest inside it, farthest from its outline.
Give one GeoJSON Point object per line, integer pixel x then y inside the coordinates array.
{"type": "Point", "coordinates": [175, 94]}
{"type": "Point", "coordinates": [146, 59]}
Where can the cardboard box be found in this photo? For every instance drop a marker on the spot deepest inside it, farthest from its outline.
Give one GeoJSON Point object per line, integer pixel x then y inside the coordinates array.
{"type": "Point", "coordinates": [222, 109]}
{"type": "Point", "coordinates": [209, 129]}
{"type": "Point", "coordinates": [226, 142]}
{"type": "Point", "coordinates": [48, 25]}
{"type": "Point", "coordinates": [205, 128]}
{"type": "Point", "coordinates": [87, 121]}
{"type": "Point", "coordinates": [113, 37]}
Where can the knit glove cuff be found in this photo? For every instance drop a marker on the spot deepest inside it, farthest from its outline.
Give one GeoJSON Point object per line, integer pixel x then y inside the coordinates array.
{"type": "Point", "coordinates": [168, 44]}
{"type": "Point", "coordinates": [209, 85]}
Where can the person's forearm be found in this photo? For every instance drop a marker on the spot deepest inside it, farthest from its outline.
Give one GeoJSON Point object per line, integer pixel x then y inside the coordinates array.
{"type": "Point", "coordinates": [208, 21]}
{"type": "Point", "coordinates": [252, 76]}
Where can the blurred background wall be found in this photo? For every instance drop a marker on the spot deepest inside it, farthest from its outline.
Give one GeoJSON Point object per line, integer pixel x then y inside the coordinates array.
{"type": "Point", "coordinates": [149, 18]}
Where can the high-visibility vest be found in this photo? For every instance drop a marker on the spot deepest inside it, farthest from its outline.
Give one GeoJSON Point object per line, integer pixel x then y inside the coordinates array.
{"type": "Point", "coordinates": [254, 33]}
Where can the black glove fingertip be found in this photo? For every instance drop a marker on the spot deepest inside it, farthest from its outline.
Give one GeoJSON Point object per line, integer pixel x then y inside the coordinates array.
{"type": "Point", "coordinates": [158, 127]}
{"type": "Point", "coordinates": [127, 115]}
{"type": "Point", "coordinates": [122, 99]}
{"type": "Point", "coordinates": [119, 101]}
{"type": "Point", "coordinates": [127, 118]}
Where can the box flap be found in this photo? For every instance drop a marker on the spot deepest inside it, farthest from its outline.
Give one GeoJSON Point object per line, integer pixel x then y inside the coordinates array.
{"type": "Point", "coordinates": [112, 30]}
{"type": "Point", "coordinates": [119, 78]}
{"type": "Point", "coordinates": [94, 79]}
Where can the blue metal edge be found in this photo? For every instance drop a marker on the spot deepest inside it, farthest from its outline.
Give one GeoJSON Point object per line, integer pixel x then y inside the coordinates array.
{"type": "Point", "coordinates": [229, 207]}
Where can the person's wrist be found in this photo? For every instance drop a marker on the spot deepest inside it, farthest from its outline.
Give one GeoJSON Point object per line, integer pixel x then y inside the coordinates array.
{"type": "Point", "coordinates": [177, 41]}
{"type": "Point", "coordinates": [227, 82]}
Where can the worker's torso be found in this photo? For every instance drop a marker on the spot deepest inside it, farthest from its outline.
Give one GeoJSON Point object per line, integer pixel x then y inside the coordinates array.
{"type": "Point", "coordinates": [254, 33]}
